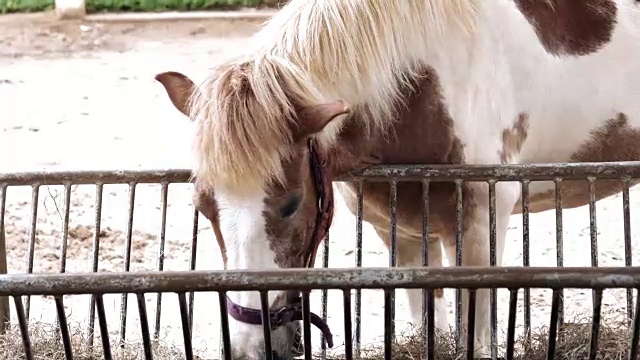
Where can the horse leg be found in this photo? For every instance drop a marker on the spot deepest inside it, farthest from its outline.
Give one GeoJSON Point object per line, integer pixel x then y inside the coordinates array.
{"type": "Point", "coordinates": [476, 227]}
{"type": "Point", "coordinates": [410, 255]}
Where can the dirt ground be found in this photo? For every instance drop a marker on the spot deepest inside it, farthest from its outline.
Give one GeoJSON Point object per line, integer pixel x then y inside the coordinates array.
{"type": "Point", "coordinates": [81, 95]}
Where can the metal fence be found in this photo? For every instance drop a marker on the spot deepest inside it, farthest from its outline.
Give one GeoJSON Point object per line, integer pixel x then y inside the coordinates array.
{"type": "Point", "coordinates": [23, 286]}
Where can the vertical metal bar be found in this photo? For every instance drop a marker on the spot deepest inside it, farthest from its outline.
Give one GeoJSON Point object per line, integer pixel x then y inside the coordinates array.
{"type": "Point", "coordinates": [628, 257]}
{"type": "Point", "coordinates": [65, 228]}
{"type": "Point", "coordinates": [388, 325]}
{"type": "Point", "coordinates": [358, 305]}
{"type": "Point", "coordinates": [559, 246]}
{"type": "Point", "coordinates": [5, 310]}
{"type": "Point", "coordinates": [511, 323]}
{"type": "Point", "coordinates": [324, 298]}
{"type": "Point", "coordinates": [390, 295]}
{"type": "Point", "coordinates": [104, 330]}
{"type": "Point", "coordinates": [553, 326]}
{"type": "Point", "coordinates": [64, 328]}
{"type": "Point", "coordinates": [144, 326]}
{"type": "Point", "coordinates": [428, 323]}
{"type": "Point", "coordinates": [471, 323]}
{"type": "Point", "coordinates": [224, 322]}
{"type": "Point", "coordinates": [63, 252]}
{"type": "Point", "coordinates": [593, 225]}
{"type": "Point", "coordinates": [492, 262]}
{"type": "Point", "coordinates": [96, 252]}
{"type": "Point", "coordinates": [127, 262]}
{"type": "Point", "coordinates": [596, 295]}
{"type": "Point", "coordinates": [634, 349]}
{"type": "Point", "coordinates": [35, 193]}
{"type": "Point", "coordinates": [526, 246]}
{"type": "Point", "coordinates": [163, 226]}
{"type": "Point", "coordinates": [458, 333]}
{"type": "Point", "coordinates": [184, 317]}
{"type": "Point", "coordinates": [595, 325]}
{"type": "Point", "coordinates": [306, 325]}
{"type": "Point", "coordinates": [24, 328]}
{"type": "Point", "coordinates": [348, 343]}
{"type": "Point", "coordinates": [266, 325]}
{"type": "Point", "coordinates": [192, 261]}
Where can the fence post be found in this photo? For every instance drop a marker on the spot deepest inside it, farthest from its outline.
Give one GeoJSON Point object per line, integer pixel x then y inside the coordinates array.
{"type": "Point", "coordinates": [70, 9]}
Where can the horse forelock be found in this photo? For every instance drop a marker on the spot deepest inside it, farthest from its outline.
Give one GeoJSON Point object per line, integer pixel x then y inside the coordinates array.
{"type": "Point", "coordinates": [244, 114]}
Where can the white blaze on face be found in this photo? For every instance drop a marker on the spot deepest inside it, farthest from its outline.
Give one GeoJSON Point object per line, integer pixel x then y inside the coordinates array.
{"type": "Point", "coordinates": [242, 225]}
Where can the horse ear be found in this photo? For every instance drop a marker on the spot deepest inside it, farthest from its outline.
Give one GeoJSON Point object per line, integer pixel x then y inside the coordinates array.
{"type": "Point", "coordinates": [179, 88]}
{"type": "Point", "coordinates": [312, 119]}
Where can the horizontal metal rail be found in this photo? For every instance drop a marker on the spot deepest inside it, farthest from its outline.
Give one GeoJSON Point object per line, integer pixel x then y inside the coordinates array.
{"type": "Point", "coordinates": [92, 177]}
{"type": "Point", "coordinates": [309, 279]}
{"type": "Point", "coordinates": [533, 172]}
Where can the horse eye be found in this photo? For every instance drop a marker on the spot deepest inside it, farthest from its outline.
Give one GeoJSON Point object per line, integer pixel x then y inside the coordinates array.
{"type": "Point", "coordinates": [290, 207]}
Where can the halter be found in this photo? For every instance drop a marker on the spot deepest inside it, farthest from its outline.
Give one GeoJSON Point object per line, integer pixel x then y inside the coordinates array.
{"type": "Point", "coordinates": [293, 311]}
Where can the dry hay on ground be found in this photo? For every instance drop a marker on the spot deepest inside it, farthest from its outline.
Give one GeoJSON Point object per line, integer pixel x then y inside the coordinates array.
{"type": "Point", "coordinates": [574, 339]}
{"type": "Point", "coordinates": [573, 344]}
{"type": "Point", "coordinates": [47, 344]}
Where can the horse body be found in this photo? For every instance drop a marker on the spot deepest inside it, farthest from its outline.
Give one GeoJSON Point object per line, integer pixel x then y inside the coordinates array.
{"type": "Point", "coordinates": [431, 81]}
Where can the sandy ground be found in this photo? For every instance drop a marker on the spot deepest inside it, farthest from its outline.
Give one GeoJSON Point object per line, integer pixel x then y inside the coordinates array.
{"type": "Point", "coordinates": [82, 96]}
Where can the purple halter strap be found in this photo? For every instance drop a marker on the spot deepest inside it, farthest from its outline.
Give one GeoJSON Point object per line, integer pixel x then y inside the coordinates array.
{"type": "Point", "coordinates": [293, 311]}
{"type": "Point", "coordinates": [286, 314]}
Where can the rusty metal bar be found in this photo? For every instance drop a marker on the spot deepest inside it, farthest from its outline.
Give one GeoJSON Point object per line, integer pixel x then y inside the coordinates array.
{"type": "Point", "coordinates": [184, 319]}
{"type": "Point", "coordinates": [35, 193]}
{"type": "Point", "coordinates": [224, 324]}
{"type": "Point", "coordinates": [127, 261]}
{"type": "Point", "coordinates": [428, 298]}
{"type": "Point", "coordinates": [192, 261]}
{"type": "Point", "coordinates": [569, 171]}
{"type": "Point", "coordinates": [358, 305]}
{"type": "Point", "coordinates": [458, 262]}
{"type": "Point", "coordinates": [5, 310]}
{"type": "Point", "coordinates": [468, 277]}
{"type": "Point", "coordinates": [91, 177]}
{"type": "Point", "coordinates": [306, 325]}
{"type": "Point", "coordinates": [164, 193]}
{"type": "Point", "coordinates": [389, 294]}
{"type": "Point", "coordinates": [493, 311]}
{"type": "Point", "coordinates": [24, 327]}
{"type": "Point", "coordinates": [95, 259]}
{"type": "Point", "coordinates": [63, 327]}
{"type": "Point", "coordinates": [144, 326]}
{"type": "Point", "coordinates": [628, 251]}
{"type": "Point", "coordinates": [559, 247]}
{"type": "Point", "coordinates": [526, 258]}
{"type": "Point", "coordinates": [264, 305]}
{"type": "Point", "coordinates": [511, 323]}
{"type": "Point", "coordinates": [324, 311]}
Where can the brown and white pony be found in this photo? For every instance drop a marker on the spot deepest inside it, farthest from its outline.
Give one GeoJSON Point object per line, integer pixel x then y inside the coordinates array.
{"type": "Point", "coordinates": [404, 82]}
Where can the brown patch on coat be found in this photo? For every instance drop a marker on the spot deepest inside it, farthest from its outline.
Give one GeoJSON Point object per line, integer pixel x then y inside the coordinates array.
{"type": "Point", "coordinates": [513, 138]}
{"type": "Point", "coordinates": [426, 129]}
{"type": "Point", "coordinates": [205, 202]}
{"type": "Point", "coordinates": [571, 27]}
{"type": "Point", "coordinates": [615, 140]}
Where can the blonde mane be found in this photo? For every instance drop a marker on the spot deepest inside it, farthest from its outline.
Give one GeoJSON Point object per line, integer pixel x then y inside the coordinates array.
{"type": "Point", "coordinates": [310, 52]}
